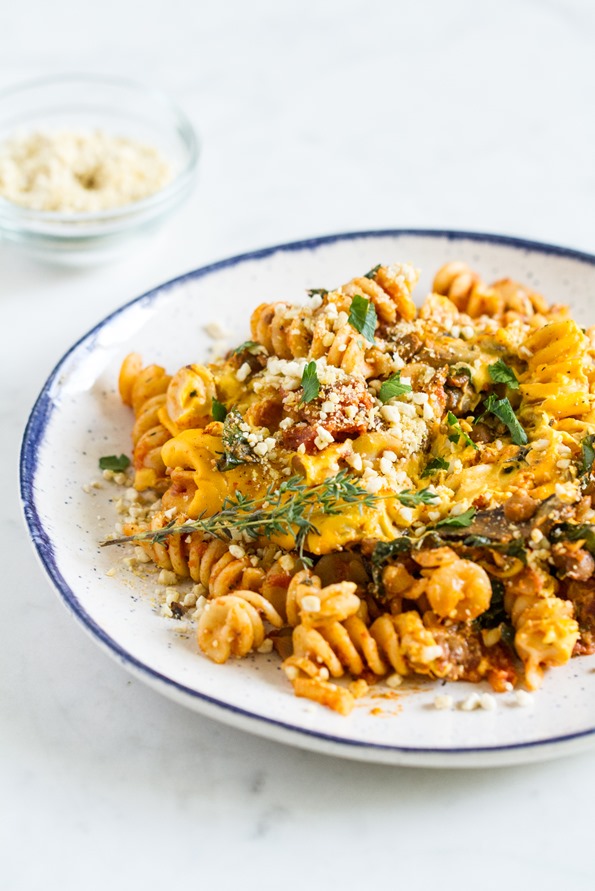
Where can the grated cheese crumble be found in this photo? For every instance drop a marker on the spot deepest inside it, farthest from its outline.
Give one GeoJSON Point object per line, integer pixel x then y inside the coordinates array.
{"type": "Point", "coordinates": [79, 172]}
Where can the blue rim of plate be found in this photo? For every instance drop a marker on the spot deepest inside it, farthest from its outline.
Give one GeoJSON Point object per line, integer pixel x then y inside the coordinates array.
{"type": "Point", "coordinates": [38, 422]}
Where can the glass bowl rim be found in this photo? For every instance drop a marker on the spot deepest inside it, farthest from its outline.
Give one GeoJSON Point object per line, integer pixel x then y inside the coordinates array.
{"type": "Point", "coordinates": [9, 209]}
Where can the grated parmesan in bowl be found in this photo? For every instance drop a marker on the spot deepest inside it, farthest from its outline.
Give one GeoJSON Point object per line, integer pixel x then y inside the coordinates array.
{"type": "Point", "coordinates": [89, 165]}
{"type": "Point", "coordinates": [79, 172]}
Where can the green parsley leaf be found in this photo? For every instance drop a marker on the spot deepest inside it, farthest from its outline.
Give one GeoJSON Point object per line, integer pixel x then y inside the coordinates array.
{"type": "Point", "coordinates": [458, 432]}
{"type": "Point", "coordinates": [383, 552]}
{"type": "Point", "coordinates": [570, 532]}
{"type": "Point", "coordinates": [312, 292]}
{"type": "Point", "coordinates": [501, 373]}
{"type": "Point", "coordinates": [393, 387]}
{"type": "Point", "coordinates": [310, 383]}
{"type": "Point", "coordinates": [504, 411]}
{"type": "Point", "coordinates": [515, 548]}
{"type": "Point", "coordinates": [495, 615]}
{"type": "Point", "coordinates": [362, 317]}
{"type": "Point", "coordinates": [117, 463]}
{"type": "Point", "coordinates": [372, 272]}
{"type": "Point", "coordinates": [457, 522]}
{"type": "Point", "coordinates": [587, 454]}
{"type": "Point", "coordinates": [434, 466]}
{"type": "Point", "coordinates": [408, 498]}
{"type": "Point", "coordinates": [218, 410]}
{"type": "Point", "coordinates": [248, 346]}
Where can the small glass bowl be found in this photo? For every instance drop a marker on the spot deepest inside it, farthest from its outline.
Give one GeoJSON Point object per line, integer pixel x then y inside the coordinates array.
{"type": "Point", "coordinates": [119, 108]}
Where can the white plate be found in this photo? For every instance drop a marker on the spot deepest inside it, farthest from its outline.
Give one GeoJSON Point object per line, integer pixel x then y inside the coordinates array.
{"type": "Point", "coordinates": [78, 417]}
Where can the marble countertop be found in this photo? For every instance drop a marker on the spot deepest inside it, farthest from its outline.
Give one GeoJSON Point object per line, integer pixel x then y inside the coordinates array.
{"type": "Point", "coordinates": [315, 118]}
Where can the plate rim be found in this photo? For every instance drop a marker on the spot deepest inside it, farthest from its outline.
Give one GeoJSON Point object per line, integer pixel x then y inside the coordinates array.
{"type": "Point", "coordinates": [283, 731]}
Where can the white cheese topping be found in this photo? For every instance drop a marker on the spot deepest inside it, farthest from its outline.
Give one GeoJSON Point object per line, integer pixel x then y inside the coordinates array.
{"type": "Point", "coordinates": [79, 172]}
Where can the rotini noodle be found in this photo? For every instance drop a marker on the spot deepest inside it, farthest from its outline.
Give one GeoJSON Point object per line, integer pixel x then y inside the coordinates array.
{"type": "Point", "coordinates": [232, 625]}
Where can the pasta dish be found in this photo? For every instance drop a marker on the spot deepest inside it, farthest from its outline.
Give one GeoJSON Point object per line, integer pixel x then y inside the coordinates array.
{"type": "Point", "coordinates": [376, 490]}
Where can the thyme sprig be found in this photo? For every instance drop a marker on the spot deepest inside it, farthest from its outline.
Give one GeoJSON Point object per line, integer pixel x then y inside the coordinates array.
{"type": "Point", "coordinates": [285, 509]}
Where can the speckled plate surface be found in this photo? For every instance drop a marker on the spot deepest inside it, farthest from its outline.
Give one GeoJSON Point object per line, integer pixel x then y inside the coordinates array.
{"type": "Point", "coordinates": [78, 417]}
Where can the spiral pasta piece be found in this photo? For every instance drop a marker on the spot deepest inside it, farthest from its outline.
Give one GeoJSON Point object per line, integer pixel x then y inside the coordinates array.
{"type": "Point", "coordinates": [331, 636]}
{"type": "Point", "coordinates": [210, 563]}
{"type": "Point", "coordinates": [345, 349]}
{"type": "Point", "coordinates": [302, 332]}
{"type": "Point", "coordinates": [233, 625]}
{"type": "Point", "coordinates": [466, 290]}
{"type": "Point", "coordinates": [545, 628]}
{"type": "Point", "coordinates": [192, 556]}
{"type": "Point", "coordinates": [555, 382]}
{"type": "Point", "coordinates": [144, 389]}
{"type": "Point", "coordinates": [313, 605]}
{"type": "Point", "coordinates": [506, 300]}
{"type": "Point", "coordinates": [389, 289]}
{"type": "Point", "coordinates": [189, 396]}
{"type": "Point", "coordinates": [281, 330]}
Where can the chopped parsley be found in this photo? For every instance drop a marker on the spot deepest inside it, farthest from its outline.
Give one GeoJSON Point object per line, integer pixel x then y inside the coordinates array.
{"type": "Point", "coordinates": [515, 548]}
{"type": "Point", "coordinates": [362, 317]}
{"type": "Point", "coordinates": [571, 532]}
{"type": "Point", "coordinates": [372, 272]}
{"type": "Point", "coordinates": [383, 552]}
{"type": "Point", "coordinates": [459, 522]}
{"type": "Point", "coordinates": [412, 499]}
{"type": "Point", "coordinates": [249, 346]}
{"type": "Point", "coordinates": [587, 454]}
{"type": "Point", "coordinates": [218, 410]}
{"type": "Point", "coordinates": [495, 615]}
{"type": "Point", "coordinates": [501, 373]}
{"type": "Point", "coordinates": [458, 432]}
{"type": "Point", "coordinates": [434, 466]}
{"type": "Point", "coordinates": [393, 387]}
{"type": "Point", "coordinates": [312, 292]}
{"type": "Point", "coordinates": [117, 463]}
{"type": "Point", "coordinates": [310, 383]}
{"type": "Point", "coordinates": [504, 411]}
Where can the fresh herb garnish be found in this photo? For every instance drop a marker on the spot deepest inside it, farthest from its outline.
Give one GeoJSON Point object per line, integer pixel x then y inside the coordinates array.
{"type": "Point", "coordinates": [311, 292]}
{"type": "Point", "coordinates": [587, 454]}
{"type": "Point", "coordinates": [236, 448]}
{"type": "Point", "coordinates": [383, 551]}
{"type": "Point", "coordinates": [434, 466]}
{"type": "Point", "coordinates": [362, 317]}
{"type": "Point", "coordinates": [571, 532]}
{"type": "Point", "coordinates": [411, 499]}
{"type": "Point", "coordinates": [504, 411]}
{"type": "Point", "coordinates": [501, 373]}
{"type": "Point", "coordinates": [393, 387]}
{"type": "Point", "coordinates": [372, 272]}
{"type": "Point", "coordinates": [249, 346]}
{"type": "Point", "coordinates": [310, 383]}
{"type": "Point", "coordinates": [515, 548]}
{"type": "Point", "coordinates": [458, 432]}
{"type": "Point", "coordinates": [495, 614]}
{"type": "Point", "coordinates": [459, 522]}
{"type": "Point", "coordinates": [218, 410]}
{"type": "Point", "coordinates": [286, 509]}
{"type": "Point", "coordinates": [117, 463]}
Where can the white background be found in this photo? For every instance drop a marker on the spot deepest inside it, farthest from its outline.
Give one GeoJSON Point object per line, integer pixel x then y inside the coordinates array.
{"type": "Point", "coordinates": [315, 118]}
